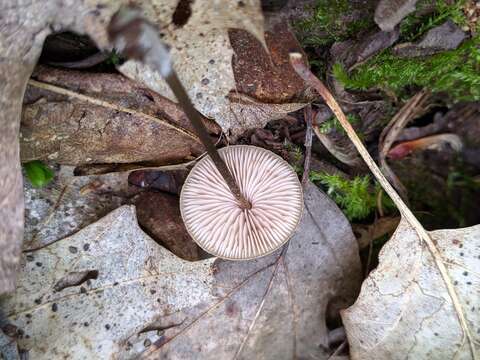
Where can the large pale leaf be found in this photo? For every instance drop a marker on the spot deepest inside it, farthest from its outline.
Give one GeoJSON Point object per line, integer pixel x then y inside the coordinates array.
{"type": "Point", "coordinates": [404, 309]}
{"type": "Point", "coordinates": [274, 307]}
{"type": "Point", "coordinates": [69, 203]}
{"type": "Point", "coordinates": [132, 281]}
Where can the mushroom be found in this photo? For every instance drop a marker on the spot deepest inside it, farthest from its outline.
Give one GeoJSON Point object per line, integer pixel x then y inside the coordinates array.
{"type": "Point", "coordinates": [242, 206]}
{"type": "Point", "coordinates": [218, 222]}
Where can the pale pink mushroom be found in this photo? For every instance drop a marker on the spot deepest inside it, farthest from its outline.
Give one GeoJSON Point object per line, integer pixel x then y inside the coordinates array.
{"type": "Point", "coordinates": [217, 222]}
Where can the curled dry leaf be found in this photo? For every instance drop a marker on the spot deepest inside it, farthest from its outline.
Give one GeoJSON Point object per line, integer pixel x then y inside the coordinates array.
{"type": "Point", "coordinates": [84, 296]}
{"type": "Point", "coordinates": [102, 118]}
{"type": "Point", "coordinates": [13, 78]}
{"type": "Point", "coordinates": [429, 142]}
{"type": "Point", "coordinates": [275, 307]}
{"type": "Point", "coordinates": [404, 309]}
{"type": "Point", "coordinates": [414, 107]}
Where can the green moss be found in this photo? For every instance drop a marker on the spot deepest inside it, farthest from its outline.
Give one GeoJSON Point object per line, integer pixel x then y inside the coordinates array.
{"type": "Point", "coordinates": [414, 25]}
{"type": "Point", "coordinates": [330, 20]}
{"type": "Point", "coordinates": [355, 197]}
{"type": "Point", "coordinates": [38, 173]}
{"type": "Point", "coordinates": [455, 72]}
{"type": "Point", "coordinates": [334, 124]}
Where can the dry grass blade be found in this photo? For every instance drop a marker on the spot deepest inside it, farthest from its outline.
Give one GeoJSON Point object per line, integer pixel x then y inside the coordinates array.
{"type": "Point", "coordinates": [89, 99]}
{"type": "Point", "coordinates": [312, 80]}
{"type": "Point", "coordinates": [414, 107]}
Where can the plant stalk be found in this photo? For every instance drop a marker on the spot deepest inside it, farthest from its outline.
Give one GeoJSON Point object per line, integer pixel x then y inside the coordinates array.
{"type": "Point", "coordinates": [136, 38]}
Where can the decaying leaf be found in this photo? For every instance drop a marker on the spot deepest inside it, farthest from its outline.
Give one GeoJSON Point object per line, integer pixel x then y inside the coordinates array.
{"type": "Point", "coordinates": [274, 307]}
{"type": "Point", "coordinates": [84, 296]}
{"type": "Point", "coordinates": [159, 215]}
{"type": "Point", "coordinates": [404, 309]}
{"type": "Point", "coordinates": [13, 80]}
{"type": "Point", "coordinates": [140, 295]}
{"type": "Point", "coordinates": [202, 51]}
{"type": "Point", "coordinates": [390, 12]}
{"type": "Point", "coordinates": [444, 37]}
{"type": "Point", "coordinates": [70, 203]}
{"type": "Point", "coordinates": [110, 120]}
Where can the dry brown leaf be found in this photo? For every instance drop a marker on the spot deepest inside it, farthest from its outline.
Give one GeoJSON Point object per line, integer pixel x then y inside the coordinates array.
{"type": "Point", "coordinates": [404, 309]}
{"type": "Point", "coordinates": [273, 307]}
{"type": "Point", "coordinates": [159, 215]}
{"type": "Point", "coordinates": [102, 118]}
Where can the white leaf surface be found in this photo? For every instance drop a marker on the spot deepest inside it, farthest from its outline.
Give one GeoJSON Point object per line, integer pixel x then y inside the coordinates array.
{"type": "Point", "coordinates": [137, 281]}
{"type": "Point", "coordinates": [404, 310]}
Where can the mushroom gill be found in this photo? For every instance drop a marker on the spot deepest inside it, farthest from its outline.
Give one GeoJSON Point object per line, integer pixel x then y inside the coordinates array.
{"type": "Point", "coordinates": [218, 223]}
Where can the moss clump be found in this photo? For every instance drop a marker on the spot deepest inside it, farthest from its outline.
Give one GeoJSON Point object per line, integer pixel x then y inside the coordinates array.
{"type": "Point", "coordinates": [330, 22]}
{"type": "Point", "coordinates": [415, 25]}
{"type": "Point", "coordinates": [38, 173]}
{"type": "Point", "coordinates": [334, 124]}
{"type": "Point", "coordinates": [455, 72]}
{"type": "Point", "coordinates": [357, 198]}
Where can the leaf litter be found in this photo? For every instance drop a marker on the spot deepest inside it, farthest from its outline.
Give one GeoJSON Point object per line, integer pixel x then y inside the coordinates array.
{"type": "Point", "coordinates": [138, 288]}
{"type": "Point", "coordinates": [433, 249]}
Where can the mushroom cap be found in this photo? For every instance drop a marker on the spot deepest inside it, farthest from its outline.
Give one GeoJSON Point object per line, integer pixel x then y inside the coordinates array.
{"type": "Point", "coordinates": [214, 218]}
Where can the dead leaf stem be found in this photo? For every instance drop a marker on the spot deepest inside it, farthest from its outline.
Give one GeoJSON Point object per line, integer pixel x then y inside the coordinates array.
{"type": "Point", "coordinates": [312, 80]}
{"type": "Point", "coordinates": [108, 105]}
{"type": "Point", "coordinates": [410, 110]}
{"type": "Point", "coordinates": [308, 143]}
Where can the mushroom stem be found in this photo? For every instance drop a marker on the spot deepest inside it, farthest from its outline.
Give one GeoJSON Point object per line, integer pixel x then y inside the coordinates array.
{"type": "Point", "coordinates": [192, 114]}
{"type": "Point", "coordinates": [136, 38]}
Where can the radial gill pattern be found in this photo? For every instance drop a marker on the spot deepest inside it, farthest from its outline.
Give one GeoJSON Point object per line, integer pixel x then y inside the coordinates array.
{"type": "Point", "coordinates": [220, 226]}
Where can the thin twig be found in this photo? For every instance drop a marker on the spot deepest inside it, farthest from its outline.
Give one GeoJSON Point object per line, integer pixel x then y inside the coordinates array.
{"type": "Point", "coordinates": [412, 108]}
{"type": "Point", "coordinates": [137, 39]}
{"type": "Point", "coordinates": [307, 113]}
{"type": "Point", "coordinates": [312, 80]}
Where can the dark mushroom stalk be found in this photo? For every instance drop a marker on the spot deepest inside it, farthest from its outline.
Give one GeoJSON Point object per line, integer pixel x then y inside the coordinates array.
{"type": "Point", "coordinates": [137, 39]}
